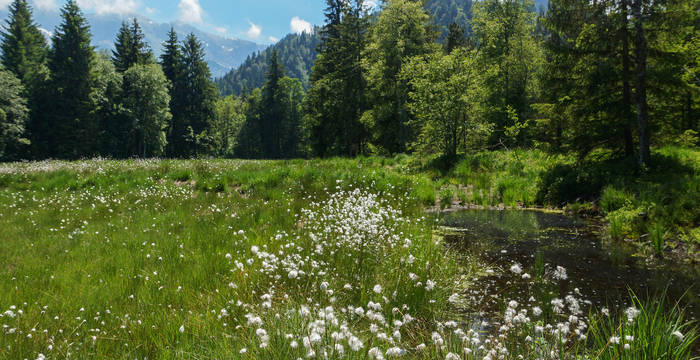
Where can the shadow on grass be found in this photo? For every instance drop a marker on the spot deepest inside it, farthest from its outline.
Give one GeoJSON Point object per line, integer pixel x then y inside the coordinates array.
{"type": "Point", "coordinates": [670, 182]}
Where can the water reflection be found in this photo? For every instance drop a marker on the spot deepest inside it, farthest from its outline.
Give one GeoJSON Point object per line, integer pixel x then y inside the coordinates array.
{"type": "Point", "coordinates": [602, 271]}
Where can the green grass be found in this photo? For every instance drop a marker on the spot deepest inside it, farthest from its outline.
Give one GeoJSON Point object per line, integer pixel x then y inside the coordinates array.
{"type": "Point", "coordinates": [632, 201]}
{"type": "Point", "coordinates": [165, 259]}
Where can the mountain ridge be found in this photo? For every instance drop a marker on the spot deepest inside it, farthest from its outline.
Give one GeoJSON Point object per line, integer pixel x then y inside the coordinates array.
{"type": "Point", "coordinates": [222, 54]}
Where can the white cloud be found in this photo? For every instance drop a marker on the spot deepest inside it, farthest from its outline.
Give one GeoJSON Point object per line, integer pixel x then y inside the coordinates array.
{"type": "Point", "coordinates": [300, 25]}
{"type": "Point", "coordinates": [273, 39]}
{"type": "Point", "coordinates": [150, 10]}
{"type": "Point", "coordinates": [47, 34]}
{"type": "Point", "coordinates": [45, 4]}
{"type": "Point", "coordinates": [370, 5]}
{"type": "Point", "coordinates": [254, 31]}
{"type": "Point", "coordinates": [102, 7]}
{"type": "Point", "coordinates": [4, 3]}
{"type": "Point", "coordinates": [221, 30]}
{"type": "Point", "coordinates": [190, 11]}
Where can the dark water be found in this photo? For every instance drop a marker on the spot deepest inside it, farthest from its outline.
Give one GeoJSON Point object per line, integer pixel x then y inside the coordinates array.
{"type": "Point", "coordinates": [601, 270]}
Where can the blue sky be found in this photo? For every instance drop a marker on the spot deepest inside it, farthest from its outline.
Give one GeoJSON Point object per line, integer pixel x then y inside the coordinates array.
{"type": "Point", "coordinates": [262, 21]}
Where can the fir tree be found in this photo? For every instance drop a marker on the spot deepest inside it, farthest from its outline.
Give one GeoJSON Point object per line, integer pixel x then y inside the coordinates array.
{"type": "Point", "coordinates": [23, 45]}
{"type": "Point", "coordinates": [272, 114]}
{"type": "Point", "coordinates": [336, 98]}
{"type": "Point", "coordinates": [74, 130]}
{"type": "Point", "coordinates": [455, 38]}
{"type": "Point", "coordinates": [172, 63]}
{"type": "Point", "coordinates": [130, 47]}
{"type": "Point", "coordinates": [197, 94]}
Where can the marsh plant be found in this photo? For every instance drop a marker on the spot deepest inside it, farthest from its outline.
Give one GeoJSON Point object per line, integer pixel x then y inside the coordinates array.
{"type": "Point", "coordinates": [105, 259]}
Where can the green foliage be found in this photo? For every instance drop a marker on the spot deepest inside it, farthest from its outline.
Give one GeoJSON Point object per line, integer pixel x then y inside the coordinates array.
{"type": "Point", "coordinates": [70, 107]}
{"type": "Point", "coordinates": [193, 98]}
{"type": "Point", "coordinates": [130, 47]}
{"type": "Point", "coordinates": [23, 49]}
{"type": "Point", "coordinates": [655, 333]}
{"type": "Point", "coordinates": [401, 32]}
{"type": "Point", "coordinates": [145, 101]}
{"type": "Point", "coordinates": [13, 115]}
{"type": "Point", "coordinates": [447, 101]}
{"type": "Point", "coordinates": [510, 58]}
{"type": "Point", "coordinates": [296, 53]}
{"type": "Point", "coordinates": [337, 96]}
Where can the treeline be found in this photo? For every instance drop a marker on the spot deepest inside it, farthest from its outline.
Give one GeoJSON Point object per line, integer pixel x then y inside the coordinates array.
{"type": "Point", "coordinates": [612, 76]}
{"type": "Point", "coordinates": [69, 101]}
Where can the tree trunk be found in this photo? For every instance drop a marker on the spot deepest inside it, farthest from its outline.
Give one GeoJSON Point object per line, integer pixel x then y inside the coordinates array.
{"type": "Point", "coordinates": [642, 107]}
{"type": "Point", "coordinates": [626, 92]}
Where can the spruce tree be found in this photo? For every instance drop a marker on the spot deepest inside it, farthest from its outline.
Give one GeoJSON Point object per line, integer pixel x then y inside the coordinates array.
{"type": "Point", "coordinates": [198, 95]}
{"type": "Point", "coordinates": [336, 98]}
{"type": "Point", "coordinates": [130, 47]}
{"type": "Point", "coordinates": [455, 38]}
{"type": "Point", "coordinates": [272, 114]}
{"type": "Point", "coordinates": [23, 45]}
{"type": "Point", "coordinates": [172, 63]}
{"type": "Point", "coordinates": [71, 61]}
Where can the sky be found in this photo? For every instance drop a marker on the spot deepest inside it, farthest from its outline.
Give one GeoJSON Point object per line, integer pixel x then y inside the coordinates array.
{"type": "Point", "coordinates": [261, 21]}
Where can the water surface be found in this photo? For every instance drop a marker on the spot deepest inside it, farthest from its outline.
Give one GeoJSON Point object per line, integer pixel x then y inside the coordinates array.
{"type": "Point", "coordinates": [602, 271]}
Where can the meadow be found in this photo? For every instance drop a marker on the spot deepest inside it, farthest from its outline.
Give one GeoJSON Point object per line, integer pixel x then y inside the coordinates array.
{"type": "Point", "coordinates": [328, 259]}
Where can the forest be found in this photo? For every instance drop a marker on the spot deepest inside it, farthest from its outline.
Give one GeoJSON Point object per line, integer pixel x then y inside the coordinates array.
{"type": "Point", "coordinates": [606, 77]}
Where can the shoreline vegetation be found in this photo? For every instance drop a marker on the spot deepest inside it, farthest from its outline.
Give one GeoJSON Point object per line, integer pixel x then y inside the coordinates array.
{"type": "Point", "coordinates": [285, 259]}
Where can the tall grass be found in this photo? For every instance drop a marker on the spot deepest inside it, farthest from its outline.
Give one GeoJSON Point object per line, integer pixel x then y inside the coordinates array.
{"type": "Point", "coordinates": [648, 330]}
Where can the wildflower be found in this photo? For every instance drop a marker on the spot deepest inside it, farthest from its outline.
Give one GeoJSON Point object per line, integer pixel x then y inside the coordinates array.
{"type": "Point", "coordinates": [294, 344]}
{"type": "Point", "coordinates": [254, 249]}
{"type": "Point", "coordinates": [420, 347]}
{"type": "Point", "coordinates": [375, 353]}
{"type": "Point", "coordinates": [627, 346]}
{"type": "Point", "coordinates": [526, 276]}
{"type": "Point", "coordinates": [243, 351]}
{"type": "Point", "coordinates": [454, 298]}
{"type": "Point", "coordinates": [560, 273]}
{"type": "Point", "coordinates": [377, 289]}
{"type": "Point", "coordinates": [452, 356]}
{"type": "Point", "coordinates": [516, 269]}
{"type": "Point", "coordinates": [429, 285]}
{"type": "Point", "coordinates": [437, 339]}
{"type": "Point", "coordinates": [395, 352]}
{"type": "Point", "coordinates": [228, 256]}
{"type": "Point", "coordinates": [292, 274]}
{"type": "Point", "coordinates": [614, 340]}
{"type": "Point", "coordinates": [182, 329]}
{"type": "Point", "coordinates": [631, 313]}
{"type": "Point", "coordinates": [678, 335]}
{"type": "Point", "coordinates": [536, 311]}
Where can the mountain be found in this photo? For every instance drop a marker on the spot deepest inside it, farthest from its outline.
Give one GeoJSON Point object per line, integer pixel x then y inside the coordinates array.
{"type": "Point", "coordinates": [444, 12]}
{"type": "Point", "coordinates": [296, 52]}
{"type": "Point", "coordinates": [222, 54]}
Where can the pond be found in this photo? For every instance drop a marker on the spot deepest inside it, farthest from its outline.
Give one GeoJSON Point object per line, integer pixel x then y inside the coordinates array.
{"type": "Point", "coordinates": [602, 271]}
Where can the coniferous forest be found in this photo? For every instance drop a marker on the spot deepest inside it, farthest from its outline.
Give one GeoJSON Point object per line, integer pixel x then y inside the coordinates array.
{"type": "Point", "coordinates": [576, 77]}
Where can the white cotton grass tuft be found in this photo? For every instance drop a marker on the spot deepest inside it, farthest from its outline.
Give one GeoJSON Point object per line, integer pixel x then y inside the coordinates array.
{"type": "Point", "coordinates": [560, 273]}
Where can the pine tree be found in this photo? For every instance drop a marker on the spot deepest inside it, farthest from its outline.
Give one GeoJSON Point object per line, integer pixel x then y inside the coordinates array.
{"type": "Point", "coordinates": [130, 47]}
{"type": "Point", "coordinates": [172, 63]}
{"type": "Point", "coordinates": [272, 112]}
{"type": "Point", "coordinates": [23, 45]}
{"type": "Point", "coordinates": [197, 94]}
{"type": "Point", "coordinates": [455, 38]}
{"type": "Point", "coordinates": [71, 61]}
{"type": "Point", "coordinates": [336, 98]}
